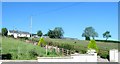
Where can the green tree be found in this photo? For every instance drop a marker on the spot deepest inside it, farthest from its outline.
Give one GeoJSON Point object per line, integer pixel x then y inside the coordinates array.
{"type": "Point", "coordinates": [89, 32]}
{"type": "Point", "coordinates": [39, 33]}
{"type": "Point", "coordinates": [4, 31]}
{"type": "Point", "coordinates": [45, 35]}
{"type": "Point", "coordinates": [106, 35]}
{"type": "Point", "coordinates": [92, 45]}
{"type": "Point", "coordinates": [41, 42]}
{"type": "Point", "coordinates": [56, 33]}
{"type": "Point", "coordinates": [51, 34]}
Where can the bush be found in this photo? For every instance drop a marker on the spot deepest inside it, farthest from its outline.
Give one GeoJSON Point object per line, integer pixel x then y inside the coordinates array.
{"type": "Point", "coordinates": [11, 36]}
{"type": "Point", "coordinates": [41, 42]}
{"type": "Point", "coordinates": [92, 45]}
{"type": "Point", "coordinates": [24, 38]}
{"type": "Point", "coordinates": [33, 53]}
{"type": "Point", "coordinates": [106, 56]}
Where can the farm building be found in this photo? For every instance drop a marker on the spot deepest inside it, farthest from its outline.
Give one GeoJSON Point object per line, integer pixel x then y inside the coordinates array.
{"type": "Point", "coordinates": [17, 34]}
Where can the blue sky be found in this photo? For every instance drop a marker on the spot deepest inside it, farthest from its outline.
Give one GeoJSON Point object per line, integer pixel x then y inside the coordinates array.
{"type": "Point", "coordinates": [73, 17]}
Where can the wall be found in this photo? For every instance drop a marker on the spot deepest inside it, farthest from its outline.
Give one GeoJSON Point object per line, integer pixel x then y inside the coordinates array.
{"type": "Point", "coordinates": [73, 58]}
{"type": "Point", "coordinates": [113, 55]}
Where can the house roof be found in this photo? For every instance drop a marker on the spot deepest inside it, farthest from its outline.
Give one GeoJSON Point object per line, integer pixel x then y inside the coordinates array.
{"type": "Point", "coordinates": [19, 32]}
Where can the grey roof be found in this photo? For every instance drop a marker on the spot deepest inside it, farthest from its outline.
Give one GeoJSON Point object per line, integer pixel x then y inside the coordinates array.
{"type": "Point", "coordinates": [19, 32]}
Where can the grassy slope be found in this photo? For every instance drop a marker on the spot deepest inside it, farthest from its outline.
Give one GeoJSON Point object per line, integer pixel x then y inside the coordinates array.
{"type": "Point", "coordinates": [81, 45]}
{"type": "Point", "coordinates": [101, 45]}
{"type": "Point", "coordinates": [20, 49]}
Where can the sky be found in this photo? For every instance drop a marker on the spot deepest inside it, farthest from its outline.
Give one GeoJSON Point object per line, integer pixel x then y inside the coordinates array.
{"type": "Point", "coordinates": [73, 17]}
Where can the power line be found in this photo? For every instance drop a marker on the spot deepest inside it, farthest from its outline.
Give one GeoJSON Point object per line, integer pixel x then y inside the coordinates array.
{"type": "Point", "coordinates": [54, 10]}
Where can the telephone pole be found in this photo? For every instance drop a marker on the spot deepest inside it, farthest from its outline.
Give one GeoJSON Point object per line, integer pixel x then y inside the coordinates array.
{"type": "Point", "coordinates": [31, 27]}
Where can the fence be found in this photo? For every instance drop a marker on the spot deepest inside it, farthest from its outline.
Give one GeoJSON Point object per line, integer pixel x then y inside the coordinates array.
{"type": "Point", "coordinates": [65, 52]}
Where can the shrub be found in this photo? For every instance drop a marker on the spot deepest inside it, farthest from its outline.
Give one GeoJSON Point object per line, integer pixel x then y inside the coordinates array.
{"type": "Point", "coordinates": [11, 36]}
{"type": "Point", "coordinates": [104, 54]}
{"type": "Point", "coordinates": [41, 42]}
{"type": "Point", "coordinates": [4, 31]}
{"type": "Point", "coordinates": [33, 53]}
{"type": "Point", "coordinates": [92, 45]}
{"type": "Point", "coordinates": [24, 38]}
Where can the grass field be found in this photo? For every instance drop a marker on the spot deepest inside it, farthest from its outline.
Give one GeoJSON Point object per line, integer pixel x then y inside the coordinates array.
{"type": "Point", "coordinates": [84, 43]}
{"type": "Point", "coordinates": [101, 45]}
{"type": "Point", "coordinates": [21, 50]}
{"type": "Point", "coordinates": [81, 46]}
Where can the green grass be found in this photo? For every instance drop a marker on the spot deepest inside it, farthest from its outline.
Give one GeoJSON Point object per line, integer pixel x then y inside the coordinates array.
{"type": "Point", "coordinates": [101, 45]}
{"type": "Point", "coordinates": [84, 43]}
{"type": "Point", "coordinates": [81, 46]}
{"type": "Point", "coordinates": [21, 50]}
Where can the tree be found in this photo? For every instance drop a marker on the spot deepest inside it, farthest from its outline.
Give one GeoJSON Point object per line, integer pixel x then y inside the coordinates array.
{"type": "Point", "coordinates": [92, 45]}
{"type": "Point", "coordinates": [41, 42]}
{"type": "Point", "coordinates": [39, 33]}
{"type": "Point", "coordinates": [45, 35]}
{"type": "Point", "coordinates": [89, 32]}
{"type": "Point", "coordinates": [106, 35]}
{"type": "Point", "coordinates": [56, 33]}
{"type": "Point", "coordinates": [4, 31]}
{"type": "Point", "coordinates": [51, 34]}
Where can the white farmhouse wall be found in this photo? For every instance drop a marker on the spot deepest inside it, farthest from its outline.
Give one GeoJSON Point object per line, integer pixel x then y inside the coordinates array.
{"type": "Point", "coordinates": [15, 35]}
{"type": "Point", "coordinates": [10, 33]}
{"type": "Point", "coordinates": [24, 35]}
{"type": "Point", "coordinates": [113, 55]}
{"type": "Point", "coordinates": [28, 35]}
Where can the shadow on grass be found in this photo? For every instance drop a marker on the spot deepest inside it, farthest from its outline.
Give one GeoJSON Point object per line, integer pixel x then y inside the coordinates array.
{"type": "Point", "coordinates": [7, 56]}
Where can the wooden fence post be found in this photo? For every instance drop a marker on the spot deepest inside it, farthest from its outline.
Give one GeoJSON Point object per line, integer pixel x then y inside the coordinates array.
{"type": "Point", "coordinates": [56, 49]}
{"type": "Point", "coordinates": [67, 52]}
{"type": "Point", "coordinates": [46, 49]}
{"type": "Point", "coordinates": [62, 51]}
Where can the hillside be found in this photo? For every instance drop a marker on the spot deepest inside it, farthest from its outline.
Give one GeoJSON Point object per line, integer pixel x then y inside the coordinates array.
{"type": "Point", "coordinates": [84, 43]}
{"type": "Point", "coordinates": [20, 50]}
{"type": "Point", "coordinates": [81, 45]}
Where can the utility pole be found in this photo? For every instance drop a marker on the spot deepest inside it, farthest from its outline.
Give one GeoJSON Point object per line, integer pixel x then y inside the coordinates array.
{"type": "Point", "coordinates": [31, 27]}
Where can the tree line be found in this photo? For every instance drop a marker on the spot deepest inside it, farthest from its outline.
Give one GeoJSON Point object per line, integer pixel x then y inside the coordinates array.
{"type": "Point", "coordinates": [58, 32]}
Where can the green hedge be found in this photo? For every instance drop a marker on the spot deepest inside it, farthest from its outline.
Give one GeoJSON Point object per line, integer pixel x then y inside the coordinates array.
{"type": "Point", "coordinates": [110, 41]}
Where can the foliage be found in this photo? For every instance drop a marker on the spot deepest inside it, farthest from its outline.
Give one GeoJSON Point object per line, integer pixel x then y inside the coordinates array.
{"type": "Point", "coordinates": [92, 45]}
{"type": "Point", "coordinates": [56, 33]}
{"type": "Point", "coordinates": [23, 38]}
{"type": "Point", "coordinates": [110, 41]}
{"type": "Point", "coordinates": [4, 31]}
{"type": "Point", "coordinates": [21, 50]}
{"type": "Point", "coordinates": [45, 35]}
{"type": "Point", "coordinates": [39, 33]}
{"type": "Point", "coordinates": [89, 32]}
{"type": "Point", "coordinates": [51, 34]}
{"type": "Point", "coordinates": [33, 53]}
{"type": "Point", "coordinates": [81, 45]}
{"type": "Point", "coordinates": [106, 35]}
{"type": "Point", "coordinates": [41, 42]}
{"type": "Point", "coordinates": [11, 36]}
{"type": "Point", "coordinates": [104, 54]}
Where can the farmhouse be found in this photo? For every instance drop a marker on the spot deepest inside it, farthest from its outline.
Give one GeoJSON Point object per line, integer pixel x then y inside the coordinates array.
{"type": "Point", "coordinates": [35, 36]}
{"type": "Point", "coordinates": [17, 34]}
